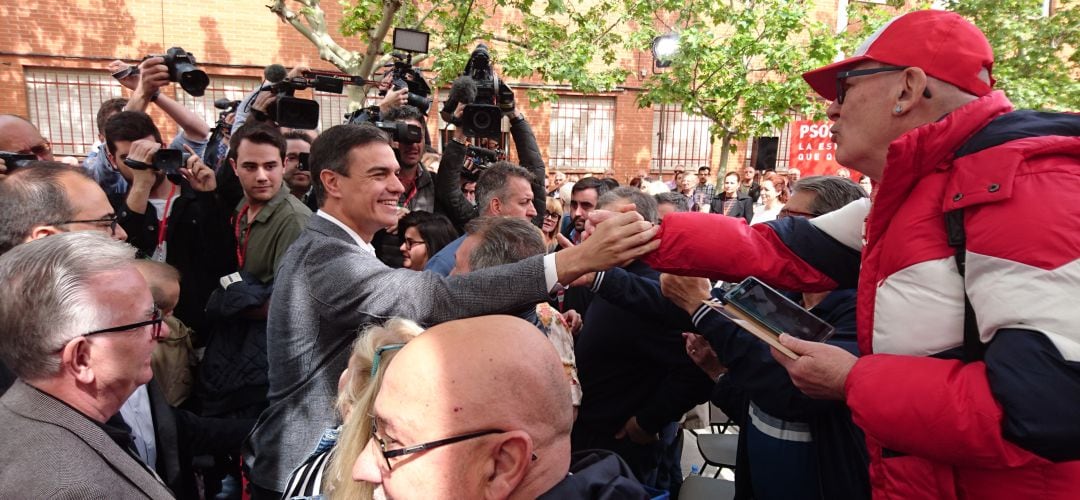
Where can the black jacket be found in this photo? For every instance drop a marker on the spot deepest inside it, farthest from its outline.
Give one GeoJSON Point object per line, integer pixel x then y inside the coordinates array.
{"type": "Point", "coordinates": [597, 474]}
{"type": "Point", "coordinates": [450, 201]}
{"type": "Point", "coordinates": [744, 207]}
{"type": "Point", "coordinates": [200, 245]}
{"type": "Point", "coordinates": [233, 376]}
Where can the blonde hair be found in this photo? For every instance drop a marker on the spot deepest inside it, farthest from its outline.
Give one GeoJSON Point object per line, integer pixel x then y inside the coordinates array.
{"type": "Point", "coordinates": [358, 396]}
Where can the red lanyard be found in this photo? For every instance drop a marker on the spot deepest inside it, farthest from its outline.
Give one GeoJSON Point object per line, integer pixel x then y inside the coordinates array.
{"type": "Point", "coordinates": [241, 249]}
{"type": "Point", "coordinates": [165, 218]}
{"type": "Point", "coordinates": [412, 193]}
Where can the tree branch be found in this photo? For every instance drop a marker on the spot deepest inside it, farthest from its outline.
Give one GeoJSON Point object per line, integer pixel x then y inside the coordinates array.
{"type": "Point", "coordinates": [390, 8]}
{"type": "Point", "coordinates": [315, 30]}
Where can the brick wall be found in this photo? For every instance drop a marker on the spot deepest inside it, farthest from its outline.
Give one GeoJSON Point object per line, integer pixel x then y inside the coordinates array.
{"type": "Point", "coordinates": [239, 38]}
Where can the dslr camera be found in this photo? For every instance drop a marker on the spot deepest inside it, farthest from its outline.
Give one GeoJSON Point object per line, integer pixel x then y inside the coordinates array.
{"type": "Point", "coordinates": [479, 159]}
{"type": "Point", "coordinates": [182, 70]}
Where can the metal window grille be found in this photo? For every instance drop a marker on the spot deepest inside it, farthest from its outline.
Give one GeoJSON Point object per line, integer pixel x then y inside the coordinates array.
{"type": "Point", "coordinates": [582, 133]}
{"type": "Point", "coordinates": [333, 107]}
{"type": "Point", "coordinates": [63, 104]}
{"type": "Point", "coordinates": [679, 139]}
{"type": "Point", "coordinates": [783, 146]}
{"type": "Point", "coordinates": [233, 88]}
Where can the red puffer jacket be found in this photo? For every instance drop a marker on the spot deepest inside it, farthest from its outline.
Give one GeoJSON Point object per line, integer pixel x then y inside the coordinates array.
{"type": "Point", "coordinates": [937, 427]}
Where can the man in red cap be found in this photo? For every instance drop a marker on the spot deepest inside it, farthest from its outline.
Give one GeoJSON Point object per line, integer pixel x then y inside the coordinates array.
{"type": "Point", "coordinates": [967, 268]}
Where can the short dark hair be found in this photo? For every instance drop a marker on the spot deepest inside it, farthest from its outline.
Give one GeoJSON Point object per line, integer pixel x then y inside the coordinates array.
{"type": "Point", "coordinates": [830, 192]}
{"type": "Point", "coordinates": [405, 112]}
{"type": "Point", "coordinates": [599, 185]}
{"type": "Point", "coordinates": [258, 133]}
{"type": "Point", "coordinates": [503, 240]}
{"type": "Point", "coordinates": [493, 181]}
{"type": "Point", "coordinates": [33, 196]}
{"type": "Point", "coordinates": [707, 169]}
{"type": "Point", "coordinates": [129, 126]}
{"type": "Point", "coordinates": [436, 230]}
{"type": "Point", "coordinates": [301, 135]}
{"type": "Point", "coordinates": [643, 203]}
{"type": "Point", "coordinates": [679, 200]}
{"type": "Point", "coordinates": [107, 109]}
{"type": "Point", "coordinates": [331, 151]}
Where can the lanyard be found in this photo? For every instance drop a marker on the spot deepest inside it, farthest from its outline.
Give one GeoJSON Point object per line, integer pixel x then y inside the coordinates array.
{"type": "Point", "coordinates": [165, 218]}
{"type": "Point", "coordinates": [412, 193]}
{"type": "Point", "coordinates": [241, 249]}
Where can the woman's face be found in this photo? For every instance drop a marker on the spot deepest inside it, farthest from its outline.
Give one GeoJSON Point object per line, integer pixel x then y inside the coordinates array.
{"type": "Point", "coordinates": [731, 184]}
{"type": "Point", "coordinates": [414, 250]}
{"type": "Point", "coordinates": [551, 222]}
{"type": "Point", "coordinates": [768, 192]}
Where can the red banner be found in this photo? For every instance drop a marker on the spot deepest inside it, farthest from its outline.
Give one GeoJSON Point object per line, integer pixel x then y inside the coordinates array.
{"type": "Point", "coordinates": [812, 150]}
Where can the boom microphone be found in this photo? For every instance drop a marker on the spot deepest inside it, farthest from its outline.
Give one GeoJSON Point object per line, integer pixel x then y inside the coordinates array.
{"type": "Point", "coordinates": [275, 73]}
{"type": "Point", "coordinates": [462, 91]}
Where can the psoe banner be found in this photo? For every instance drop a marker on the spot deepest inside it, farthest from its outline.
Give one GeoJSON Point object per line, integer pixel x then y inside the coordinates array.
{"type": "Point", "coordinates": [812, 150]}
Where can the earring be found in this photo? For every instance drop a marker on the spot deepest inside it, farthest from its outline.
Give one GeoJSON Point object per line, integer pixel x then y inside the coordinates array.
{"type": "Point", "coordinates": [898, 109]}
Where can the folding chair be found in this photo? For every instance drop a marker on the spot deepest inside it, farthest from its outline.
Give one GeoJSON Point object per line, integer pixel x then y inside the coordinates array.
{"type": "Point", "coordinates": [706, 488]}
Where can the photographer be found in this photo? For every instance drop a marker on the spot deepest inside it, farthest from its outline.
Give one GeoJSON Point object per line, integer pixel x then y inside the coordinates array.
{"type": "Point", "coordinates": [174, 219]}
{"type": "Point", "coordinates": [146, 86]}
{"type": "Point", "coordinates": [448, 194]}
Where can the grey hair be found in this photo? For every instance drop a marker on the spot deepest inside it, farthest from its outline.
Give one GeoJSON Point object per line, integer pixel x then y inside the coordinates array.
{"type": "Point", "coordinates": [830, 192]}
{"type": "Point", "coordinates": [646, 205]}
{"type": "Point", "coordinates": [45, 301]}
{"type": "Point", "coordinates": [503, 240]}
{"type": "Point", "coordinates": [31, 197]}
{"type": "Point", "coordinates": [679, 200]}
{"type": "Point", "coordinates": [494, 180]}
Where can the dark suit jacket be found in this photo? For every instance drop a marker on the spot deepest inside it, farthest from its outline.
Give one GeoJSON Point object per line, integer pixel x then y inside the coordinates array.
{"type": "Point", "coordinates": [50, 450]}
{"type": "Point", "coordinates": [328, 288]}
{"type": "Point", "coordinates": [744, 207]}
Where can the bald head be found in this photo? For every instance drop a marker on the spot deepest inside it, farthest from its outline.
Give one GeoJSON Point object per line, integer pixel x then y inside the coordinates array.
{"type": "Point", "coordinates": [18, 135]}
{"type": "Point", "coordinates": [487, 373]}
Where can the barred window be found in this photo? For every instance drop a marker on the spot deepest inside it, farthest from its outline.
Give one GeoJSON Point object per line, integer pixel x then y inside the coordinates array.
{"type": "Point", "coordinates": [64, 103]}
{"type": "Point", "coordinates": [582, 133]}
{"type": "Point", "coordinates": [679, 139]}
{"type": "Point", "coordinates": [333, 107]}
{"type": "Point", "coordinates": [233, 88]}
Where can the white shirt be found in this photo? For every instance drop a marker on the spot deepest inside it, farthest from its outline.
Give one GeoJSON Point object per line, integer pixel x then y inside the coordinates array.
{"type": "Point", "coordinates": [137, 414]}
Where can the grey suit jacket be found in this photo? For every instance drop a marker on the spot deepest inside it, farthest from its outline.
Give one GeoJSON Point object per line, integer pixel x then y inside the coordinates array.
{"type": "Point", "coordinates": [327, 289]}
{"type": "Point", "coordinates": [49, 450]}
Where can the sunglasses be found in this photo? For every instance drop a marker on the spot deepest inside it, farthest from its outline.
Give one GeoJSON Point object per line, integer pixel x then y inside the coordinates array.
{"type": "Point", "coordinates": [841, 85]}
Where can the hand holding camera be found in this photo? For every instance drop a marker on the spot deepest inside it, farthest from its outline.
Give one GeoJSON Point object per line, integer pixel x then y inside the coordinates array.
{"type": "Point", "coordinates": [199, 176]}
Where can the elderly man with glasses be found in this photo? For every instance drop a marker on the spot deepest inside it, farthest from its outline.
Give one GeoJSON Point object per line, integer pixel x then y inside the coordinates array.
{"type": "Point", "coordinates": [78, 329]}
{"type": "Point", "coordinates": [447, 429]}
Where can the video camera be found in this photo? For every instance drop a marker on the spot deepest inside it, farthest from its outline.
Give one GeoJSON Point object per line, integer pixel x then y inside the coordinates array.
{"type": "Point", "coordinates": [294, 112]}
{"type": "Point", "coordinates": [166, 160]}
{"type": "Point", "coordinates": [404, 74]}
{"type": "Point", "coordinates": [16, 160]}
{"type": "Point", "coordinates": [182, 70]}
{"type": "Point", "coordinates": [479, 160]}
{"type": "Point", "coordinates": [486, 98]}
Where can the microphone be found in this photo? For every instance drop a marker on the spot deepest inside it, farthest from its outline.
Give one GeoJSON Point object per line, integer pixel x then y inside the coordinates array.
{"type": "Point", "coordinates": [463, 91]}
{"type": "Point", "coordinates": [224, 103]}
{"type": "Point", "coordinates": [275, 73]}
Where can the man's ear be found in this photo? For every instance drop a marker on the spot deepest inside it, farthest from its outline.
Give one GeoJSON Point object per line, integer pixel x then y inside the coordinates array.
{"type": "Point", "coordinates": [914, 83]}
{"type": "Point", "coordinates": [232, 163]}
{"type": "Point", "coordinates": [330, 183]}
{"type": "Point", "coordinates": [495, 206]}
{"type": "Point", "coordinates": [75, 360]}
{"type": "Point", "coordinates": [509, 463]}
{"type": "Point", "coordinates": [38, 232]}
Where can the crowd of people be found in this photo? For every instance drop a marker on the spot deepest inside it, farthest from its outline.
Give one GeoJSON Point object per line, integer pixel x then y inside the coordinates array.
{"type": "Point", "coordinates": [350, 314]}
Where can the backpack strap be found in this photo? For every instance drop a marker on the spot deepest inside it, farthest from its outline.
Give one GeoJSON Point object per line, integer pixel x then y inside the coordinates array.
{"type": "Point", "coordinates": [974, 349]}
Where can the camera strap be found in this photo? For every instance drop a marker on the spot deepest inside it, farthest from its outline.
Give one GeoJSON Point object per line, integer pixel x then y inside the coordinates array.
{"type": "Point", "coordinates": [163, 226]}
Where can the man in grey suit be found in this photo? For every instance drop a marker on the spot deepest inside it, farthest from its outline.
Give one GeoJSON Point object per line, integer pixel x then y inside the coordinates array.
{"type": "Point", "coordinates": [330, 284]}
{"type": "Point", "coordinates": [78, 329]}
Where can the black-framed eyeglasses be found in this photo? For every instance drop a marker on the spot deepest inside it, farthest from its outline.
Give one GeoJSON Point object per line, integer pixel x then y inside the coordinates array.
{"type": "Point", "coordinates": [409, 244]}
{"type": "Point", "coordinates": [552, 215]}
{"type": "Point", "coordinates": [408, 450]}
{"type": "Point", "coordinates": [795, 213]}
{"type": "Point", "coordinates": [156, 318]}
{"type": "Point", "coordinates": [110, 220]}
{"type": "Point", "coordinates": [841, 86]}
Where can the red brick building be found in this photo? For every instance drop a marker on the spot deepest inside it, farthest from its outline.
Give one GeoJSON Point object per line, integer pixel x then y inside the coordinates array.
{"type": "Point", "coordinates": [53, 56]}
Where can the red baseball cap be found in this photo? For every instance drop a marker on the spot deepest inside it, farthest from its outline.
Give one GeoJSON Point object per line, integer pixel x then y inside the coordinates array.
{"type": "Point", "coordinates": [945, 45]}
